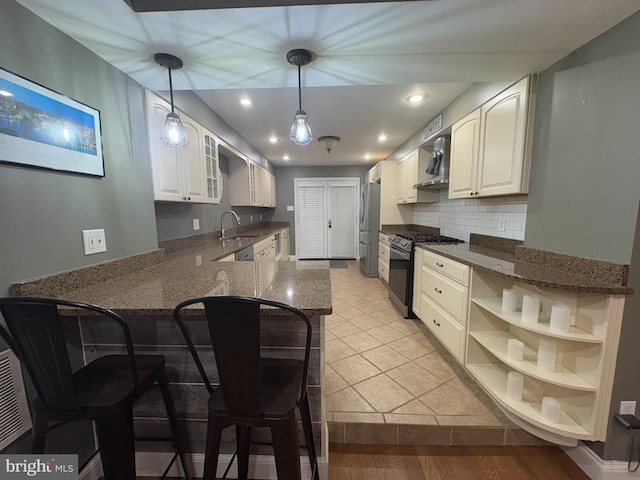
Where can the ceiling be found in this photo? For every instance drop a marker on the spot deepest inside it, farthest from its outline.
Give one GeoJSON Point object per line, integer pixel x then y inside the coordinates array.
{"type": "Point", "coordinates": [368, 58]}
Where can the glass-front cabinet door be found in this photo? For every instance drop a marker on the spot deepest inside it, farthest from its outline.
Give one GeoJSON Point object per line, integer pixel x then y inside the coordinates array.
{"type": "Point", "coordinates": [213, 176]}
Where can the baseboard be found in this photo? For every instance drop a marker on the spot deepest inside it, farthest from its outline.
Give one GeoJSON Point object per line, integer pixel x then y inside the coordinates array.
{"type": "Point", "coordinates": [152, 464]}
{"type": "Point", "coordinates": [597, 468]}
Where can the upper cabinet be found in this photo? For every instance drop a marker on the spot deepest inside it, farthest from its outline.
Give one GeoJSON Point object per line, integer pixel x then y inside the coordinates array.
{"type": "Point", "coordinates": [251, 185]}
{"type": "Point", "coordinates": [412, 169]}
{"type": "Point", "coordinates": [490, 147]}
{"type": "Point", "coordinates": [182, 174]}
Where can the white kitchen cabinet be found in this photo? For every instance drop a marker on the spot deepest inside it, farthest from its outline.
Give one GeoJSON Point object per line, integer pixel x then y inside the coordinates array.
{"type": "Point", "coordinates": [179, 174]}
{"type": "Point", "coordinates": [490, 147]}
{"type": "Point", "coordinates": [384, 257]}
{"type": "Point", "coordinates": [412, 169]}
{"type": "Point", "coordinates": [265, 249]}
{"type": "Point", "coordinates": [373, 174]}
{"type": "Point", "coordinates": [585, 357]}
{"type": "Point", "coordinates": [442, 299]}
{"type": "Point", "coordinates": [213, 176]}
{"type": "Point", "coordinates": [284, 244]}
{"type": "Point", "coordinates": [228, 258]}
{"type": "Point", "coordinates": [250, 185]}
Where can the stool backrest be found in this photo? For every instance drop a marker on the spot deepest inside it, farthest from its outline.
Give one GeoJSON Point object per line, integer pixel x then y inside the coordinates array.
{"type": "Point", "coordinates": [235, 329]}
{"type": "Point", "coordinates": [34, 333]}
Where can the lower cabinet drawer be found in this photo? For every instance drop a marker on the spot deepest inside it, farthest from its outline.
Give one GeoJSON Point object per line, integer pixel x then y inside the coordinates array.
{"type": "Point", "coordinates": [451, 333]}
{"type": "Point", "coordinates": [450, 295]}
{"type": "Point", "coordinates": [383, 270]}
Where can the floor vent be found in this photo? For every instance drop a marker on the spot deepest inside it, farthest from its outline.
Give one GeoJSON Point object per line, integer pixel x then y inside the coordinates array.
{"type": "Point", "coordinates": [14, 409]}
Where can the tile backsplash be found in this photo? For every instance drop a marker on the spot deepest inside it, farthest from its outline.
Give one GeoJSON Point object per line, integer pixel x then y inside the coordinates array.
{"type": "Point", "coordinates": [461, 217]}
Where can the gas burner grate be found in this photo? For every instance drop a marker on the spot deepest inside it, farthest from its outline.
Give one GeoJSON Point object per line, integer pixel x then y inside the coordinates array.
{"type": "Point", "coordinates": [428, 238]}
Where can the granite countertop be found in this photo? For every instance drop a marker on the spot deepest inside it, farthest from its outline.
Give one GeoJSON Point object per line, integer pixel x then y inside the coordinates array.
{"type": "Point", "coordinates": [155, 282]}
{"type": "Point", "coordinates": [193, 273]}
{"type": "Point", "coordinates": [506, 264]}
{"type": "Point", "coordinates": [222, 248]}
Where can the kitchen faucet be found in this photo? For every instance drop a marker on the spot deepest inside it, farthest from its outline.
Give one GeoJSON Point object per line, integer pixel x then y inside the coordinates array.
{"type": "Point", "coordinates": [222, 229]}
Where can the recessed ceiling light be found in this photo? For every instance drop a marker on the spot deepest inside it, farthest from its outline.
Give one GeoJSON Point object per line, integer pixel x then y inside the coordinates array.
{"type": "Point", "coordinates": [417, 98]}
{"type": "Point", "coordinates": [382, 138]}
{"type": "Point", "coordinates": [4, 93]}
{"type": "Point", "coordinates": [245, 101]}
{"type": "Point", "coordinates": [367, 157]}
{"type": "Point", "coordinates": [273, 139]}
{"type": "Point", "coordinates": [286, 158]}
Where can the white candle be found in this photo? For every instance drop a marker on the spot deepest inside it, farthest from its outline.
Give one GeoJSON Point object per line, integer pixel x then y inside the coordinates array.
{"type": "Point", "coordinates": [515, 349]}
{"type": "Point", "coordinates": [509, 300]}
{"type": "Point", "coordinates": [515, 386]}
{"type": "Point", "coordinates": [530, 308]}
{"type": "Point", "coordinates": [547, 350]}
{"type": "Point", "coordinates": [551, 409]}
{"type": "Point", "coordinates": [560, 318]}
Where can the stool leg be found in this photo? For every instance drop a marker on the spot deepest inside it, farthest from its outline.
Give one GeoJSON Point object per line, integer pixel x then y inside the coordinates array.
{"type": "Point", "coordinates": [243, 439]}
{"type": "Point", "coordinates": [173, 420]}
{"type": "Point", "coordinates": [39, 431]}
{"type": "Point", "coordinates": [286, 447]}
{"type": "Point", "coordinates": [307, 426]}
{"type": "Point", "coordinates": [212, 448]}
{"type": "Point", "coordinates": [116, 443]}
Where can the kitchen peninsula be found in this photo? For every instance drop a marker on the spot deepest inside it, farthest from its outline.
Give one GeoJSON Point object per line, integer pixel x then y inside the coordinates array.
{"type": "Point", "coordinates": [146, 298]}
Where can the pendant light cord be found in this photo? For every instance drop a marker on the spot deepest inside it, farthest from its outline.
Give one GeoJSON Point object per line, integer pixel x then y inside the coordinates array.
{"type": "Point", "coordinates": [299, 90]}
{"type": "Point", "coordinates": [171, 89]}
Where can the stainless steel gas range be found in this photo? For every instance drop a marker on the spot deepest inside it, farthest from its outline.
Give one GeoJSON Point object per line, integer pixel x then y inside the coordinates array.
{"type": "Point", "coordinates": [401, 266]}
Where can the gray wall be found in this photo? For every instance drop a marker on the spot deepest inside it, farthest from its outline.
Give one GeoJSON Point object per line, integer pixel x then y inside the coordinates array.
{"type": "Point", "coordinates": [585, 175]}
{"type": "Point", "coordinates": [43, 213]}
{"type": "Point", "coordinates": [585, 180]}
{"type": "Point", "coordinates": [285, 189]}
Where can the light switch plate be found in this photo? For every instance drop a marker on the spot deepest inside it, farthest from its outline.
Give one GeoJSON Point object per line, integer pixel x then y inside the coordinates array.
{"type": "Point", "coordinates": [94, 241]}
{"type": "Point", "coordinates": [289, 208]}
{"type": "Point", "coordinates": [196, 224]}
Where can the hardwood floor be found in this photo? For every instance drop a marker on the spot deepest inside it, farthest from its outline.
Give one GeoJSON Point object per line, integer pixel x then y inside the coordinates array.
{"type": "Point", "coordinates": [372, 462]}
{"type": "Point", "coordinates": [382, 462]}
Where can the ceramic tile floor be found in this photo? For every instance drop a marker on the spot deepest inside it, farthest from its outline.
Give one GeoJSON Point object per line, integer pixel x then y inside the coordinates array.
{"type": "Point", "coordinates": [383, 368]}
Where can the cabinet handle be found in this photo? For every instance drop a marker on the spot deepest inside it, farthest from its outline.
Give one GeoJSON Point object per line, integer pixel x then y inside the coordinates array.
{"type": "Point", "coordinates": [436, 323]}
{"type": "Point", "coordinates": [439, 265]}
{"type": "Point", "coordinates": [437, 290]}
{"type": "Point", "coordinates": [472, 194]}
{"type": "Point", "coordinates": [184, 198]}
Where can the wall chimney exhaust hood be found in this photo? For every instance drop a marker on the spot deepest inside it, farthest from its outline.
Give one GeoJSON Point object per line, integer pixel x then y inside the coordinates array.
{"type": "Point", "coordinates": [438, 165]}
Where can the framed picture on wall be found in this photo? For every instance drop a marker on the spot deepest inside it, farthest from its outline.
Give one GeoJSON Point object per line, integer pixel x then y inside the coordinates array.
{"type": "Point", "coordinates": [41, 128]}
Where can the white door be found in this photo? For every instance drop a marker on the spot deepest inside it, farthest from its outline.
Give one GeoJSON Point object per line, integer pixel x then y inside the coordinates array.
{"type": "Point", "coordinates": [326, 217]}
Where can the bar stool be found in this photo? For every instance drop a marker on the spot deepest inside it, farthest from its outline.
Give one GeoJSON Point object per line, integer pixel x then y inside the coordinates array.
{"type": "Point", "coordinates": [102, 391]}
{"type": "Point", "coordinates": [256, 390]}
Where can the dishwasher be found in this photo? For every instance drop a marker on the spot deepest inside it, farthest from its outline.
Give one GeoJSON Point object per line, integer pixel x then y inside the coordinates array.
{"type": "Point", "coordinates": [245, 255]}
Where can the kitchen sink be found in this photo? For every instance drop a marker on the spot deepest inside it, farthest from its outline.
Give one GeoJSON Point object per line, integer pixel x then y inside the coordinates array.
{"type": "Point", "coordinates": [238, 237]}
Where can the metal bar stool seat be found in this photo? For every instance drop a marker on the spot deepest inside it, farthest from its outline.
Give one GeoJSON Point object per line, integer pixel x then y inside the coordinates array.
{"type": "Point", "coordinates": [103, 391]}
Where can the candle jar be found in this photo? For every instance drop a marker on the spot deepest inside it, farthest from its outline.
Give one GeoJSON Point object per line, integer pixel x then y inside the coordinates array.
{"type": "Point", "coordinates": [509, 300]}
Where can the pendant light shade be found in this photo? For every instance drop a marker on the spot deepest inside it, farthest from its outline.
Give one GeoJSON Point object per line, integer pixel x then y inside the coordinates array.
{"type": "Point", "coordinates": [173, 133]}
{"type": "Point", "coordinates": [328, 142]}
{"type": "Point", "coordinates": [300, 132]}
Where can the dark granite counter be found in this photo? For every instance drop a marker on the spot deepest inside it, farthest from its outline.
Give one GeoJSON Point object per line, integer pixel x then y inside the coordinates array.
{"type": "Point", "coordinates": [506, 264]}
{"type": "Point", "coordinates": [193, 273]}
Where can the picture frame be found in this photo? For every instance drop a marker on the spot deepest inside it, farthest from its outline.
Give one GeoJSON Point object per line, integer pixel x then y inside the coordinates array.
{"type": "Point", "coordinates": [41, 128]}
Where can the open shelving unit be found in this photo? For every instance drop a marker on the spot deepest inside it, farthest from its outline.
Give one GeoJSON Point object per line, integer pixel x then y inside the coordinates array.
{"type": "Point", "coordinates": [581, 380]}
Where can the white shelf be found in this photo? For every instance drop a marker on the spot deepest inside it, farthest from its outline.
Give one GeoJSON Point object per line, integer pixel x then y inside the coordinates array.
{"type": "Point", "coordinates": [494, 306]}
{"type": "Point", "coordinates": [496, 342]}
{"type": "Point", "coordinates": [494, 379]}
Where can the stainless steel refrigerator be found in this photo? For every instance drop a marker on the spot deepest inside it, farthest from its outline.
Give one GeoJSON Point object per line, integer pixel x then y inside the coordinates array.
{"type": "Point", "coordinates": [369, 227]}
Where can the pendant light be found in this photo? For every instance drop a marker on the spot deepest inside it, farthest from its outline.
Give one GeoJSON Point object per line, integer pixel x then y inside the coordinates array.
{"type": "Point", "coordinates": [300, 132]}
{"type": "Point", "coordinates": [173, 134]}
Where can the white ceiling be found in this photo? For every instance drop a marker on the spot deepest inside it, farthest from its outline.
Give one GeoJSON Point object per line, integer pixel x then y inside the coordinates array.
{"type": "Point", "coordinates": [369, 58]}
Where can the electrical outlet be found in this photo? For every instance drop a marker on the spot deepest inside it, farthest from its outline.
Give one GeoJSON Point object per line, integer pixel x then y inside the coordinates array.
{"type": "Point", "coordinates": [196, 224]}
{"type": "Point", "coordinates": [94, 241]}
{"type": "Point", "coordinates": [251, 218]}
{"type": "Point", "coordinates": [627, 407]}
{"type": "Point", "coordinates": [260, 216]}
{"type": "Point", "coordinates": [502, 224]}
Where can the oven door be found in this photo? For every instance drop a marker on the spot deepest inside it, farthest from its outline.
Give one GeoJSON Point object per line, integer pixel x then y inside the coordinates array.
{"type": "Point", "coordinates": [400, 279]}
